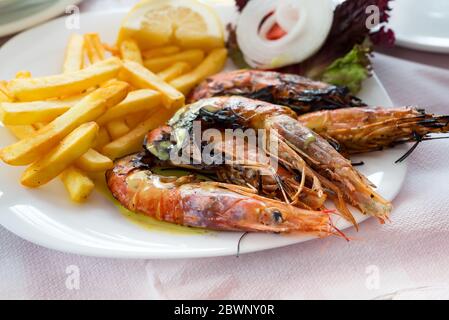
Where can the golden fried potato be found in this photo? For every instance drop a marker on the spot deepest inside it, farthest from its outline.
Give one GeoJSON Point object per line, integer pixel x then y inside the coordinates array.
{"type": "Point", "coordinates": [94, 47]}
{"type": "Point", "coordinates": [88, 109]}
{"type": "Point", "coordinates": [22, 132]}
{"type": "Point", "coordinates": [140, 77]}
{"type": "Point", "coordinates": [77, 183]}
{"type": "Point", "coordinates": [74, 54]}
{"type": "Point", "coordinates": [112, 49]}
{"type": "Point", "coordinates": [93, 161]}
{"type": "Point", "coordinates": [192, 57]}
{"type": "Point", "coordinates": [117, 128]}
{"type": "Point", "coordinates": [129, 50]}
{"type": "Point", "coordinates": [21, 113]}
{"type": "Point", "coordinates": [213, 63]}
{"type": "Point", "coordinates": [160, 52]}
{"type": "Point", "coordinates": [135, 102]}
{"type": "Point", "coordinates": [174, 71]}
{"type": "Point", "coordinates": [63, 155]}
{"type": "Point", "coordinates": [67, 84]}
{"type": "Point", "coordinates": [24, 74]}
{"type": "Point", "coordinates": [134, 119]}
{"type": "Point", "coordinates": [102, 139]}
{"type": "Point", "coordinates": [198, 40]}
{"type": "Point", "coordinates": [5, 95]}
{"type": "Point", "coordinates": [39, 125]}
{"type": "Point", "coordinates": [132, 141]}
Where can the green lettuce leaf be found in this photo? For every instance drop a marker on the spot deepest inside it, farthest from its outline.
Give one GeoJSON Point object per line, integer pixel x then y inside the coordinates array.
{"type": "Point", "coordinates": [350, 70]}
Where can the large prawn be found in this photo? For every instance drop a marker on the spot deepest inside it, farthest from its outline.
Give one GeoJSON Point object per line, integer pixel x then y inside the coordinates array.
{"type": "Point", "coordinates": [299, 93]}
{"type": "Point", "coordinates": [189, 201]}
{"type": "Point", "coordinates": [280, 183]}
{"type": "Point", "coordinates": [357, 130]}
{"type": "Point", "coordinates": [300, 149]}
{"type": "Point", "coordinates": [328, 110]}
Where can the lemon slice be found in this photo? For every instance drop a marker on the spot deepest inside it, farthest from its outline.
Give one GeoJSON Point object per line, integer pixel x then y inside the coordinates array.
{"type": "Point", "coordinates": [186, 23]}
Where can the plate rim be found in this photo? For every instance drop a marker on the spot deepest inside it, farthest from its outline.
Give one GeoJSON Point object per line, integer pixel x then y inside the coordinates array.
{"type": "Point", "coordinates": [73, 248]}
{"type": "Point", "coordinates": [405, 42]}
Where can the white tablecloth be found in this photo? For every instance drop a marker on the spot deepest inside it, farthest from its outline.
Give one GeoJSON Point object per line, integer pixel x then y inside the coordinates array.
{"type": "Point", "coordinates": [409, 252]}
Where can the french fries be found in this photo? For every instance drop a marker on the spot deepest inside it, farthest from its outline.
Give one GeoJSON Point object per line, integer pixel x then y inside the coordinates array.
{"type": "Point", "coordinates": [88, 109]}
{"type": "Point", "coordinates": [129, 50]}
{"type": "Point", "coordinates": [160, 52]}
{"type": "Point", "coordinates": [136, 101]}
{"type": "Point", "coordinates": [213, 63]}
{"type": "Point", "coordinates": [112, 49]}
{"type": "Point", "coordinates": [53, 163]}
{"type": "Point", "coordinates": [24, 74]}
{"type": "Point", "coordinates": [67, 84]}
{"type": "Point", "coordinates": [39, 125]}
{"type": "Point", "coordinates": [21, 113]}
{"type": "Point", "coordinates": [22, 132]}
{"type": "Point", "coordinates": [74, 124]}
{"type": "Point", "coordinates": [74, 54]}
{"type": "Point", "coordinates": [132, 141]}
{"type": "Point", "coordinates": [192, 57]}
{"type": "Point", "coordinates": [134, 119]}
{"type": "Point", "coordinates": [103, 138]}
{"type": "Point", "coordinates": [5, 96]}
{"type": "Point", "coordinates": [140, 77]}
{"type": "Point", "coordinates": [117, 128]}
{"type": "Point", "coordinates": [93, 161]}
{"type": "Point", "coordinates": [174, 71]}
{"type": "Point", "coordinates": [198, 40]}
{"type": "Point", "coordinates": [94, 48]}
{"type": "Point", "coordinates": [77, 183]}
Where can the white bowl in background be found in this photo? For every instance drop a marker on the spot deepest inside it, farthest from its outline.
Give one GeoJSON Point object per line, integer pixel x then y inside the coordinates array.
{"type": "Point", "coordinates": [421, 25]}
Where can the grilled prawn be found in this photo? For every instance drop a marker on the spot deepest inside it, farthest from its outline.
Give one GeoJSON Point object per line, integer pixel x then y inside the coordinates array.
{"type": "Point", "coordinates": [300, 149]}
{"type": "Point", "coordinates": [301, 94]}
{"type": "Point", "coordinates": [328, 110]}
{"type": "Point", "coordinates": [357, 130]}
{"type": "Point", "coordinates": [281, 184]}
{"type": "Point", "coordinates": [191, 202]}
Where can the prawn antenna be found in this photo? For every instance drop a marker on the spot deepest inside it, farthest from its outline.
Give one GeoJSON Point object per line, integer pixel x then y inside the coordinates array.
{"type": "Point", "coordinates": [418, 139]}
{"type": "Point", "coordinates": [239, 243]}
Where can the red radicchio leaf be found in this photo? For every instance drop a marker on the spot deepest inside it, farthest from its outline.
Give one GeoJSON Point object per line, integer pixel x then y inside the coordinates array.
{"type": "Point", "coordinates": [241, 4]}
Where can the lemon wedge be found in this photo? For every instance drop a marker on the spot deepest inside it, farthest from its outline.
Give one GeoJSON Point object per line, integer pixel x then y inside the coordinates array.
{"type": "Point", "coordinates": [185, 23]}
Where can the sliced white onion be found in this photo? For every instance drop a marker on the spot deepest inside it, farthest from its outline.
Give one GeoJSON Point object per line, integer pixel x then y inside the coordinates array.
{"type": "Point", "coordinates": [306, 23]}
{"type": "Point", "coordinates": [287, 14]}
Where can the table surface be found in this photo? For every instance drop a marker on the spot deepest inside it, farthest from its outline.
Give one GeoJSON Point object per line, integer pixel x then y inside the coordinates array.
{"type": "Point", "coordinates": [106, 278]}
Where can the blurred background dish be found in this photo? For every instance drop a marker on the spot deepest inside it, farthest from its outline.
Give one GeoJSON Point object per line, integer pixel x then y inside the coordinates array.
{"type": "Point", "coordinates": [421, 25]}
{"type": "Point", "coordinates": [5, 3]}
{"type": "Point", "coordinates": [17, 15]}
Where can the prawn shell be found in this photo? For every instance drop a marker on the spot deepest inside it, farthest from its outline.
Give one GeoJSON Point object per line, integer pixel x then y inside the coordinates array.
{"type": "Point", "coordinates": [205, 205]}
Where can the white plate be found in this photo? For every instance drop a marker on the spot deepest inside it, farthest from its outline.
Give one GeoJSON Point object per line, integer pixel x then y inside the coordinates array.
{"type": "Point", "coordinates": [14, 21]}
{"type": "Point", "coordinates": [421, 25]}
{"type": "Point", "coordinates": [45, 216]}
